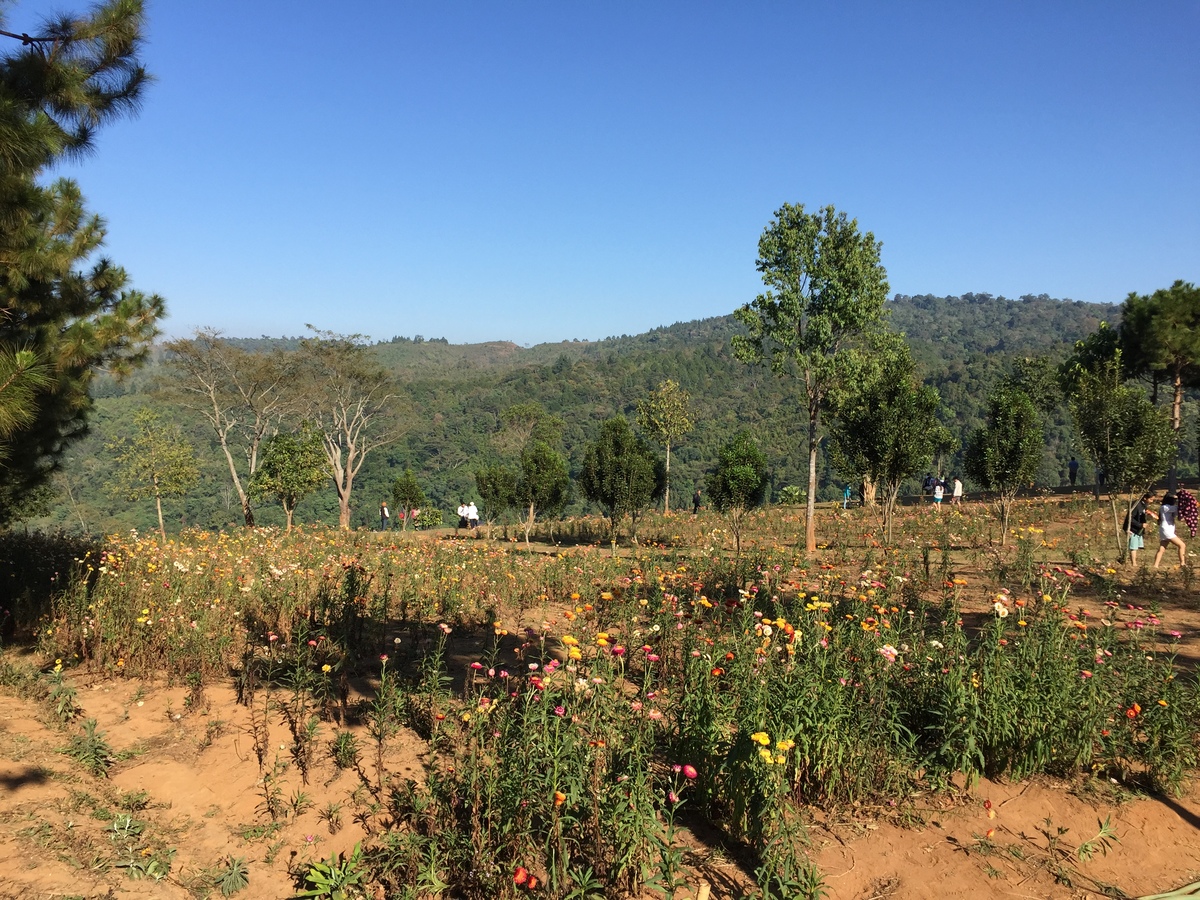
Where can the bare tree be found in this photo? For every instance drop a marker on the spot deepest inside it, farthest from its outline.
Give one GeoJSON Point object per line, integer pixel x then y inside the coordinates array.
{"type": "Point", "coordinates": [353, 401]}
{"type": "Point", "coordinates": [239, 393]}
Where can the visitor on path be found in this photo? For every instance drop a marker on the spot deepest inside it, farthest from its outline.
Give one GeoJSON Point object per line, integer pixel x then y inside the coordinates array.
{"type": "Point", "coordinates": [463, 522]}
{"type": "Point", "coordinates": [696, 502]}
{"type": "Point", "coordinates": [472, 516]}
{"type": "Point", "coordinates": [1166, 531]}
{"type": "Point", "coordinates": [928, 483]}
{"type": "Point", "coordinates": [384, 516]}
{"type": "Point", "coordinates": [939, 491]}
{"type": "Point", "coordinates": [1073, 470]}
{"type": "Point", "coordinates": [957, 492]}
{"type": "Point", "coordinates": [846, 496]}
{"type": "Point", "coordinates": [1101, 478]}
{"type": "Point", "coordinates": [1136, 526]}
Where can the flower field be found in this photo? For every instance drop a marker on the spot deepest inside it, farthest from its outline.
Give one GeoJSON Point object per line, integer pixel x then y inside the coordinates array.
{"type": "Point", "coordinates": [579, 708]}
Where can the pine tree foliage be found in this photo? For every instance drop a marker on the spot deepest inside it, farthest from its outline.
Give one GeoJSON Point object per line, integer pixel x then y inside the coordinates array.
{"type": "Point", "coordinates": [72, 310]}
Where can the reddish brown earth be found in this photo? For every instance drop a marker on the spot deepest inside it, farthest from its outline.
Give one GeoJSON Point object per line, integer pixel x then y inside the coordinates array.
{"type": "Point", "coordinates": [204, 796]}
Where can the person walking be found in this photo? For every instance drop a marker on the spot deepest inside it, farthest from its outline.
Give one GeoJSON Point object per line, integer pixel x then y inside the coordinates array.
{"type": "Point", "coordinates": [462, 517]}
{"type": "Point", "coordinates": [384, 516]}
{"type": "Point", "coordinates": [939, 491]}
{"type": "Point", "coordinates": [472, 516]}
{"type": "Point", "coordinates": [1136, 526]}
{"type": "Point", "coordinates": [1073, 470]}
{"type": "Point", "coordinates": [846, 496]}
{"type": "Point", "coordinates": [1166, 531]}
{"type": "Point", "coordinates": [956, 492]}
{"type": "Point", "coordinates": [696, 502]}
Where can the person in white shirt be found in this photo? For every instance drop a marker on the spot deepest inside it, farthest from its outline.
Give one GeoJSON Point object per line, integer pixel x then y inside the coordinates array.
{"type": "Point", "coordinates": [462, 516]}
{"type": "Point", "coordinates": [472, 516]}
{"type": "Point", "coordinates": [1166, 531]}
{"type": "Point", "coordinates": [956, 496]}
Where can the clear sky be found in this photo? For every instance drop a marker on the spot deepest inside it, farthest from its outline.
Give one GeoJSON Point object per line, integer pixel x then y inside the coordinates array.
{"type": "Point", "coordinates": [555, 170]}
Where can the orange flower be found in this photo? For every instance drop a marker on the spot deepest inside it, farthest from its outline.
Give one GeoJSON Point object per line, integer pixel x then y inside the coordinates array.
{"type": "Point", "coordinates": [1133, 711]}
{"type": "Point", "coordinates": [559, 798]}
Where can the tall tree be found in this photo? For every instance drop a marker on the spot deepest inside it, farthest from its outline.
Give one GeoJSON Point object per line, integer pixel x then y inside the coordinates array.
{"type": "Point", "coordinates": [352, 400]}
{"type": "Point", "coordinates": [239, 393]}
{"type": "Point", "coordinates": [1003, 455]}
{"type": "Point", "coordinates": [621, 473]}
{"type": "Point", "coordinates": [886, 430]}
{"type": "Point", "coordinates": [1165, 331]}
{"type": "Point", "coordinates": [666, 415]}
{"type": "Point", "coordinates": [75, 313]}
{"type": "Point", "coordinates": [738, 483]}
{"type": "Point", "coordinates": [154, 462]}
{"type": "Point", "coordinates": [292, 467]}
{"type": "Point", "coordinates": [544, 483]}
{"type": "Point", "coordinates": [1125, 434]}
{"type": "Point", "coordinates": [826, 289]}
{"type": "Point", "coordinates": [497, 487]}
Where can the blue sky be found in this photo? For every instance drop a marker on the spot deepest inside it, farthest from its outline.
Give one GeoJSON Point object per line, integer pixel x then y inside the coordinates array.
{"type": "Point", "coordinates": [546, 171]}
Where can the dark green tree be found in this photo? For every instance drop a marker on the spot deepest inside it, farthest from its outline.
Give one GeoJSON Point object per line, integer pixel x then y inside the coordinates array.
{"type": "Point", "coordinates": [407, 495]}
{"type": "Point", "coordinates": [739, 483]}
{"type": "Point", "coordinates": [1164, 331]}
{"type": "Point", "coordinates": [885, 430]}
{"type": "Point", "coordinates": [1003, 455]}
{"type": "Point", "coordinates": [291, 468]}
{"type": "Point", "coordinates": [1132, 440]}
{"type": "Point", "coordinates": [497, 487]}
{"type": "Point", "coordinates": [74, 312]}
{"type": "Point", "coordinates": [544, 484]}
{"type": "Point", "coordinates": [622, 474]}
{"type": "Point", "coordinates": [826, 290]}
{"type": "Point", "coordinates": [154, 462]}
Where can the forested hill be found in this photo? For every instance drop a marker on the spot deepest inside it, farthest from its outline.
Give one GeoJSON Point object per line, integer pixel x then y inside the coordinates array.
{"type": "Point", "coordinates": [458, 392]}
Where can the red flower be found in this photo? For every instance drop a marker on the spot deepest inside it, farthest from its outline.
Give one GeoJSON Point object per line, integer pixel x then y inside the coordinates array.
{"type": "Point", "coordinates": [521, 875]}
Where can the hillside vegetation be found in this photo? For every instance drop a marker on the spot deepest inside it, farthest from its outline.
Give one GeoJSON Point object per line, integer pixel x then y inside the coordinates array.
{"type": "Point", "coordinates": [458, 392]}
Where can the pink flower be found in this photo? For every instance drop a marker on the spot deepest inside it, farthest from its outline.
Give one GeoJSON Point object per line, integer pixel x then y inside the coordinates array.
{"type": "Point", "coordinates": [560, 711]}
{"type": "Point", "coordinates": [383, 657]}
{"type": "Point", "coordinates": [652, 657]}
{"type": "Point", "coordinates": [690, 772]}
{"type": "Point", "coordinates": [476, 666]}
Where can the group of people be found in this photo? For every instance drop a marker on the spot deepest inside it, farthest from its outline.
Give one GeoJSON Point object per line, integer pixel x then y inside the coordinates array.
{"type": "Point", "coordinates": [385, 516]}
{"type": "Point", "coordinates": [1174, 506]}
{"type": "Point", "coordinates": [936, 487]}
{"type": "Point", "coordinates": [468, 515]}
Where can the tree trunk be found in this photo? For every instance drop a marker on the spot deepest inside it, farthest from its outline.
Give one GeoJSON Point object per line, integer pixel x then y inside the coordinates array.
{"type": "Point", "coordinates": [247, 509]}
{"type": "Point", "coordinates": [1176, 422]}
{"type": "Point", "coordinates": [289, 512]}
{"type": "Point", "coordinates": [868, 493]}
{"type": "Point", "coordinates": [162, 529]}
{"type": "Point", "coordinates": [810, 513]}
{"type": "Point", "coordinates": [667, 492]}
{"type": "Point", "coordinates": [528, 526]}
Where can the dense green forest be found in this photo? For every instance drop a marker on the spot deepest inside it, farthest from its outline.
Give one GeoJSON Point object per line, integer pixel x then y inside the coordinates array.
{"type": "Point", "coordinates": [455, 396]}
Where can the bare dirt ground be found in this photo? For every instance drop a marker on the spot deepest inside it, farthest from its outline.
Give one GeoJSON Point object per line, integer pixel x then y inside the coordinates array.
{"type": "Point", "coordinates": [204, 797]}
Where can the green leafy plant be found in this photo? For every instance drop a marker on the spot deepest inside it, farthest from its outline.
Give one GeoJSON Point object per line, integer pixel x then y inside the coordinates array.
{"type": "Point", "coordinates": [90, 750]}
{"type": "Point", "coordinates": [337, 878]}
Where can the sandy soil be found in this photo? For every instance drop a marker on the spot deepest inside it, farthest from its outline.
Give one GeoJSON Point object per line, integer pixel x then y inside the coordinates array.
{"type": "Point", "coordinates": [204, 797]}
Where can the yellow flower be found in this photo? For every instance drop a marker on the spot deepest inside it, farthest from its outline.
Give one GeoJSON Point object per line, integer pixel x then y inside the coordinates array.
{"type": "Point", "coordinates": [761, 737]}
{"type": "Point", "coordinates": [785, 745]}
{"type": "Point", "coordinates": [766, 755]}
{"type": "Point", "coordinates": [327, 668]}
